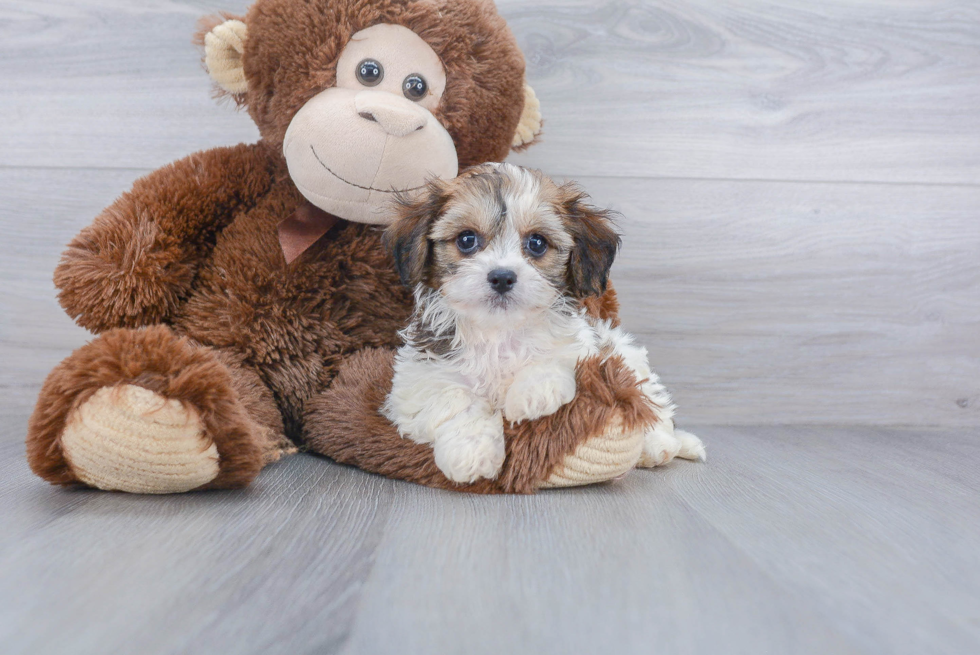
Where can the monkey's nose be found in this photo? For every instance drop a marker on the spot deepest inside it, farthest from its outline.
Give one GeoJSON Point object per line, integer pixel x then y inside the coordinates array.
{"type": "Point", "coordinates": [396, 116]}
{"type": "Point", "coordinates": [502, 280]}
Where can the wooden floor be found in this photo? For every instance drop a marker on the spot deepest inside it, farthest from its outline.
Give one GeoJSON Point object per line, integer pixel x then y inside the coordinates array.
{"type": "Point", "coordinates": [789, 540]}
{"type": "Point", "coordinates": [800, 189]}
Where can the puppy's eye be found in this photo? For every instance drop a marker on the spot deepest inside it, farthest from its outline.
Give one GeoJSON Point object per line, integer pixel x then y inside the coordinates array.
{"type": "Point", "coordinates": [467, 242]}
{"type": "Point", "coordinates": [370, 72]}
{"type": "Point", "coordinates": [415, 87]}
{"type": "Point", "coordinates": [536, 245]}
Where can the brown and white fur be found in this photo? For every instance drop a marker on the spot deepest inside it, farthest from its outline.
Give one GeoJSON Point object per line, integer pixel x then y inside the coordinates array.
{"type": "Point", "coordinates": [500, 260]}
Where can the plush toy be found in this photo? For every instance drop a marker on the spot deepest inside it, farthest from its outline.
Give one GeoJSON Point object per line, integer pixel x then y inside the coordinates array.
{"type": "Point", "coordinates": [243, 302]}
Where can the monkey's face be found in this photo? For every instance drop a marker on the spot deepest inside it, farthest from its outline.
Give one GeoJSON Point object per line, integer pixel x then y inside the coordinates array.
{"type": "Point", "coordinates": [369, 98]}
{"type": "Point", "coordinates": [352, 146]}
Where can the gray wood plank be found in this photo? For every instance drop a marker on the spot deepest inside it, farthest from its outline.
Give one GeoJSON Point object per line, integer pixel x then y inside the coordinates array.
{"type": "Point", "coordinates": [626, 568]}
{"type": "Point", "coordinates": [789, 540]}
{"type": "Point", "coordinates": [805, 303]}
{"type": "Point", "coordinates": [785, 89]}
{"type": "Point", "coordinates": [276, 568]}
{"type": "Point", "coordinates": [801, 540]}
{"type": "Point", "coordinates": [761, 303]}
{"type": "Point", "coordinates": [43, 209]}
{"type": "Point", "coordinates": [109, 83]}
{"type": "Point", "coordinates": [874, 525]}
{"type": "Point", "coordinates": [775, 89]}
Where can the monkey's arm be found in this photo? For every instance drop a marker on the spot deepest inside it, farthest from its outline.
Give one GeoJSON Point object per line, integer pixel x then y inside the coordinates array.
{"type": "Point", "coordinates": [134, 264]}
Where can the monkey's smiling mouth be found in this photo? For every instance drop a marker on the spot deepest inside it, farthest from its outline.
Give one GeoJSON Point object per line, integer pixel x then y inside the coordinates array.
{"type": "Point", "coordinates": [360, 186]}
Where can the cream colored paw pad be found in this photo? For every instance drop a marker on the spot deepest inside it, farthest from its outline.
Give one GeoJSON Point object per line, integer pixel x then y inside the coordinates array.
{"type": "Point", "coordinates": [598, 459]}
{"type": "Point", "coordinates": [128, 438]}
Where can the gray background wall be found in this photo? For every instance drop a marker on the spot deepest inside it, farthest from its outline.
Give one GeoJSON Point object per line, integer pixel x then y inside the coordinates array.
{"type": "Point", "coordinates": [800, 183]}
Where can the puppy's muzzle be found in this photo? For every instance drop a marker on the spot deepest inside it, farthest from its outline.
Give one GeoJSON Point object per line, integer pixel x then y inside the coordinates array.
{"type": "Point", "coordinates": [502, 280]}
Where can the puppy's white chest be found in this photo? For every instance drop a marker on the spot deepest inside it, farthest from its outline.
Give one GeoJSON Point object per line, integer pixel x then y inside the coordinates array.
{"type": "Point", "coordinates": [495, 364]}
{"type": "Point", "coordinates": [492, 367]}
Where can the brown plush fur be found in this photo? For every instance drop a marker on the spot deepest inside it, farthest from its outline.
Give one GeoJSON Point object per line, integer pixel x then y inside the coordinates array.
{"type": "Point", "coordinates": [191, 255]}
{"type": "Point", "coordinates": [605, 307]}
{"type": "Point", "coordinates": [295, 324]}
{"type": "Point", "coordinates": [135, 264]}
{"type": "Point", "coordinates": [534, 448]}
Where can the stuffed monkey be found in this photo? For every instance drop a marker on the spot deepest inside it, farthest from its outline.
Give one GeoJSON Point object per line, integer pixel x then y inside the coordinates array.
{"type": "Point", "coordinates": [227, 290]}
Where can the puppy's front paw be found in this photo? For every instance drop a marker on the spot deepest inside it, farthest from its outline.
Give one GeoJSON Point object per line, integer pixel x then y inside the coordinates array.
{"type": "Point", "coordinates": [470, 447]}
{"type": "Point", "coordinates": [538, 392]}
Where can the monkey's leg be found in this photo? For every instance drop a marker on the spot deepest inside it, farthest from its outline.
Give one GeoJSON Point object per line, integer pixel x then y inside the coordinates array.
{"type": "Point", "coordinates": [146, 411]}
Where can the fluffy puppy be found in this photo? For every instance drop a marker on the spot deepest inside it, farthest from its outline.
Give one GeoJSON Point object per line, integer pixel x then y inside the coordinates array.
{"type": "Point", "coordinates": [500, 259]}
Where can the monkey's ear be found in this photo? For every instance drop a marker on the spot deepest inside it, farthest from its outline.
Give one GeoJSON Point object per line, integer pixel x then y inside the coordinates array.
{"type": "Point", "coordinates": [407, 238]}
{"type": "Point", "coordinates": [529, 127]}
{"type": "Point", "coordinates": [224, 42]}
{"type": "Point", "coordinates": [595, 239]}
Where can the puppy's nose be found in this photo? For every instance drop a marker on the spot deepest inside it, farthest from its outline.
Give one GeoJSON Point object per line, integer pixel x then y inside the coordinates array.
{"type": "Point", "coordinates": [502, 280]}
{"type": "Point", "coordinates": [396, 116]}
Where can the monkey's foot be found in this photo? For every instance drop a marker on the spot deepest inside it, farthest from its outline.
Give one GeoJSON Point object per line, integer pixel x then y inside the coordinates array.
{"type": "Point", "coordinates": [146, 411]}
{"type": "Point", "coordinates": [603, 457]}
{"type": "Point", "coordinates": [127, 438]}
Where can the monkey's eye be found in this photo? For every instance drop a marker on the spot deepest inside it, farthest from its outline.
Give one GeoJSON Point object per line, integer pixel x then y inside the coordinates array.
{"type": "Point", "coordinates": [370, 72]}
{"type": "Point", "coordinates": [536, 245]}
{"type": "Point", "coordinates": [415, 87]}
{"type": "Point", "coordinates": [467, 242]}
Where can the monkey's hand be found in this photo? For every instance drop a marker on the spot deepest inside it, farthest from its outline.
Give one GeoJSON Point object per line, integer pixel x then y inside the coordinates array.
{"type": "Point", "coordinates": [134, 265]}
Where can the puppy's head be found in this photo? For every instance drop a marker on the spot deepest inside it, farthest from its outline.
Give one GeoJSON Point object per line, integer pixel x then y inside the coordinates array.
{"type": "Point", "coordinates": [502, 242]}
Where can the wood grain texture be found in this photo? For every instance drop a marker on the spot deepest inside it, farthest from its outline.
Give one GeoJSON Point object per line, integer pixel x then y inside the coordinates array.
{"type": "Point", "coordinates": [786, 89]}
{"type": "Point", "coordinates": [789, 540]}
{"type": "Point", "coordinates": [821, 303]}
{"type": "Point", "coordinates": [783, 89]}
{"type": "Point", "coordinates": [257, 571]}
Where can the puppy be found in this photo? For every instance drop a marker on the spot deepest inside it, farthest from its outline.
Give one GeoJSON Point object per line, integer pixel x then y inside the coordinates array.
{"type": "Point", "coordinates": [500, 259]}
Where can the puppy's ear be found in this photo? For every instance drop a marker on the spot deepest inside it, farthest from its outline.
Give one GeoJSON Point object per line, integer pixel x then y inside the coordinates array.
{"type": "Point", "coordinates": [595, 242]}
{"type": "Point", "coordinates": [407, 238]}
